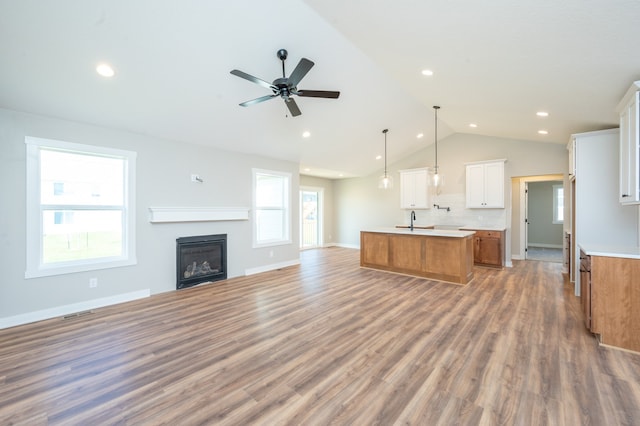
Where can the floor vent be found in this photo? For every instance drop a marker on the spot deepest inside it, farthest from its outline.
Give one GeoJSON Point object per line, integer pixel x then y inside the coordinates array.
{"type": "Point", "coordinates": [76, 315]}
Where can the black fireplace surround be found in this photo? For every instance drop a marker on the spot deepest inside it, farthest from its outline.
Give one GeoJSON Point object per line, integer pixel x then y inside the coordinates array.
{"type": "Point", "coordinates": [201, 259]}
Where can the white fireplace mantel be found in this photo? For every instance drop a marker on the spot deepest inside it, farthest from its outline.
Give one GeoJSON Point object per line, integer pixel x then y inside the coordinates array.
{"type": "Point", "coordinates": [196, 214]}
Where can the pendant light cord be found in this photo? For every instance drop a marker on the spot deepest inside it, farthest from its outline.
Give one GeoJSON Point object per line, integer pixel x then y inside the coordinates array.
{"type": "Point", "coordinates": [385, 151]}
{"type": "Point", "coordinates": [436, 135]}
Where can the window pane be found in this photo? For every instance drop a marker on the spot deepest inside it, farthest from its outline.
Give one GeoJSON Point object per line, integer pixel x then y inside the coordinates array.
{"type": "Point", "coordinates": [81, 234]}
{"type": "Point", "coordinates": [77, 179]}
{"type": "Point", "coordinates": [269, 225]}
{"type": "Point", "coordinates": [270, 191]}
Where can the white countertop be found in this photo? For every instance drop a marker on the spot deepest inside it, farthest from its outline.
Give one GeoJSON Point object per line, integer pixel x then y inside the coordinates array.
{"type": "Point", "coordinates": [475, 228]}
{"type": "Point", "coordinates": [611, 251]}
{"type": "Point", "coordinates": [484, 228]}
{"type": "Point", "coordinates": [428, 232]}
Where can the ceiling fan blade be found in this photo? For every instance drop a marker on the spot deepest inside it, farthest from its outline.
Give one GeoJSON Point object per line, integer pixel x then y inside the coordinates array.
{"type": "Point", "coordinates": [253, 79]}
{"type": "Point", "coordinates": [301, 70]}
{"type": "Point", "coordinates": [257, 100]}
{"type": "Point", "coordinates": [293, 107]}
{"type": "Point", "coordinates": [318, 94]}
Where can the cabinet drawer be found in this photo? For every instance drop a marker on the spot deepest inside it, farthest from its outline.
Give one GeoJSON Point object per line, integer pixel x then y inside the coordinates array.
{"type": "Point", "coordinates": [488, 234]}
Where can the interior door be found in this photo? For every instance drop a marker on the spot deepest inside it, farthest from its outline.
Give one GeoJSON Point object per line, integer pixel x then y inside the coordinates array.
{"type": "Point", "coordinates": [310, 218]}
{"type": "Point", "coordinates": [526, 219]}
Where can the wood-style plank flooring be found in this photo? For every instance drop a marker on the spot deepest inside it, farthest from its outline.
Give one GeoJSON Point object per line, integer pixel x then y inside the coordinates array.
{"type": "Point", "coordinates": [326, 343]}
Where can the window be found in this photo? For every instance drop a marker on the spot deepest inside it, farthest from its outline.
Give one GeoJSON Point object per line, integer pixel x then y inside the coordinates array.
{"type": "Point", "coordinates": [80, 209]}
{"type": "Point", "coordinates": [271, 208]}
{"type": "Point", "coordinates": [558, 204]}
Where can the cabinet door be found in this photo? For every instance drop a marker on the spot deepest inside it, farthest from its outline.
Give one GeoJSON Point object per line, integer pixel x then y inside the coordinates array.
{"type": "Point", "coordinates": [490, 252]}
{"type": "Point", "coordinates": [475, 186]}
{"type": "Point", "coordinates": [494, 185]}
{"type": "Point", "coordinates": [585, 296]}
{"type": "Point", "coordinates": [414, 191]}
{"type": "Point", "coordinates": [629, 150]}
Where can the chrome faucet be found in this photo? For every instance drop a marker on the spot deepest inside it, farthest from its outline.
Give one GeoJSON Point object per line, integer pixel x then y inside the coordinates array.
{"type": "Point", "coordinates": [413, 217]}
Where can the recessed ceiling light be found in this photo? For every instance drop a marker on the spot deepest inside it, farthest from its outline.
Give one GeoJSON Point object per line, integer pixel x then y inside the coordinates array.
{"type": "Point", "coordinates": [105, 70]}
{"type": "Point", "coordinates": [543, 132]}
{"type": "Point", "coordinates": [420, 135]}
{"type": "Point", "coordinates": [341, 175]}
{"type": "Point", "coordinates": [542, 114]}
{"type": "Point", "coordinates": [474, 125]}
{"type": "Point", "coordinates": [427, 72]}
{"type": "Point", "coordinates": [306, 169]}
{"type": "Point", "coordinates": [378, 157]}
{"type": "Point", "coordinates": [306, 134]}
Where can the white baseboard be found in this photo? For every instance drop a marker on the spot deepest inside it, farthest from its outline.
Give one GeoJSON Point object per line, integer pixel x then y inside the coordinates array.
{"type": "Point", "coordinates": [60, 311]}
{"type": "Point", "coordinates": [272, 267]}
{"type": "Point", "coordinates": [541, 245]}
{"type": "Point", "coordinates": [351, 246]}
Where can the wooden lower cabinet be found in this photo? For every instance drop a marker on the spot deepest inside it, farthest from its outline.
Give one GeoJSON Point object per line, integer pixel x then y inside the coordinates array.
{"type": "Point", "coordinates": [441, 258]}
{"type": "Point", "coordinates": [614, 301]}
{"type": "Point", "coordinates": [488, 248]}
{"type": "Point", "coordinates": [585, 289]}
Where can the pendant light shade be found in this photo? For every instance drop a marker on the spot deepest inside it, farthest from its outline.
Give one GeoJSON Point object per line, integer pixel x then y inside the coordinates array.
{"type": "Point", "coordinates": [437, 180]}
{"type": "Point", "coordinates": [385, 181]}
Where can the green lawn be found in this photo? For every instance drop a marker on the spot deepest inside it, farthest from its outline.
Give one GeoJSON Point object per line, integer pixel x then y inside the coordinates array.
{"type": "Point", "coordinates": [81, 245]}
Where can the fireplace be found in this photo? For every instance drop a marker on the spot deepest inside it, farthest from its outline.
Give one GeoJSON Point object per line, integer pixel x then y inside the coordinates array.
{"type": "Point", "coordinates": [201, 259]}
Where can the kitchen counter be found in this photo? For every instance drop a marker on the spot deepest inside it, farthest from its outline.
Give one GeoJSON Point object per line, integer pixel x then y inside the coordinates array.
{"type": "Point", "coordinates": [440, 254]}
{"type": "Point", "coordinates": [461, 228]}
{"type": "Point", "coordinates": [611, 251]}
{"type": "Point", "coordinates": [423, 231]}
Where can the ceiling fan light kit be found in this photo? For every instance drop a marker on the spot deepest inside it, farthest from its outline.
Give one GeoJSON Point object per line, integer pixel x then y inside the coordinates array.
{"type": "Point", "coordinates": [286, 87]}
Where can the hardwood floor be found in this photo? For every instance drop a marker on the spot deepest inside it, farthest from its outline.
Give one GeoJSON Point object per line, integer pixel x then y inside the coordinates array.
{"type": "Point", "coordinates": [326, 343]}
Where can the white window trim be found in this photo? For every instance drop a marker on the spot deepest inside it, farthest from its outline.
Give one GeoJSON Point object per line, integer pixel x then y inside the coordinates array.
{"type": "Point", "coordinates": [555, 188]}
{"type": "Point", "coordinates": [34, 265]}
{"type": "Point", "coordinates": [287, 219]}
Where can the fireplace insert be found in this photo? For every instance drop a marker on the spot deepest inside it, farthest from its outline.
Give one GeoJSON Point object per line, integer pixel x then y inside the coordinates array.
{"type": "Point", "coordinates": [201, 259]}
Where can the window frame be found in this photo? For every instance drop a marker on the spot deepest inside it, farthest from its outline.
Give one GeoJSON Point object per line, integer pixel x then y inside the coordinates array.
{"type": "Point", "coordinates": [555, 190]}
{"type": "Point", "coordinates": [34, 241]}
{"type": "Point", "coordinates": [286, 208]}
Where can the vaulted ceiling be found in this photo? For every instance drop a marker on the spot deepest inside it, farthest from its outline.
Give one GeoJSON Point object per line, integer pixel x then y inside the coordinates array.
{"type": "Point", "coordinates": [495, 64]}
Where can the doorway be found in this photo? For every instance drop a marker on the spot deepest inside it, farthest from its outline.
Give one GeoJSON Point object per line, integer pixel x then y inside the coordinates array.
{"type": "Point", "coordinates": [310, 217]}
{"type": "Point", "coordinates": [539, 224]}
{"type": "Point", "coordinates": [544, 220]}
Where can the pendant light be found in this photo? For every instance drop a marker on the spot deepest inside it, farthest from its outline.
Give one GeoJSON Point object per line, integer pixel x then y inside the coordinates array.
{"type": "Point", "coordinates": [437, 180]}
{"type": "Point", "coordinates": [385, 181]}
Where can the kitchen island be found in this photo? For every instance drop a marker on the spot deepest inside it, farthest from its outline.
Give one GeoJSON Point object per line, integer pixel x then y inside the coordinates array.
{"type": "Point", "coordinates": [445, 255]}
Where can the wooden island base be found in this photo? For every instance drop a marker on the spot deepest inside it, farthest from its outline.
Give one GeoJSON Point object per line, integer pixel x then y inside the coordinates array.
{"type": "Point", "coordinates": [419, 254]}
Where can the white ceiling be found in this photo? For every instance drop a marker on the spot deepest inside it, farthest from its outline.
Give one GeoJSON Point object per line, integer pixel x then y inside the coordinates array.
{"type": "Point", "coordinates": [495, 63]}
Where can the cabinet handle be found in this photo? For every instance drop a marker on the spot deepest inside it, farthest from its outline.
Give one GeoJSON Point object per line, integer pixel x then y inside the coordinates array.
{"type": "Point", "coordinates": [625, 195]}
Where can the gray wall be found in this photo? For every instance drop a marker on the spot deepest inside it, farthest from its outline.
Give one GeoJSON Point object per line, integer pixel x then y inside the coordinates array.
{"type": "Point", "coordinates": [541, 230]}
{"type": "Point", "coordinates": [360, 204]}
{"type": "Point", "coordinates": [163, 180]}
{"type": "Point", "coordinates": [328, 229]}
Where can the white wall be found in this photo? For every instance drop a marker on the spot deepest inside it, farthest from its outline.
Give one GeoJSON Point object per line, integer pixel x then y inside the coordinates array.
{"type": "Point", "coordinates": [360, 204]}
{"type": "Point", "coordinates": [163, 180]}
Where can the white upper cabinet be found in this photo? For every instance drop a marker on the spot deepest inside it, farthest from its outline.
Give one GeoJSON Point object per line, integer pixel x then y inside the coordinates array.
{"type": "Point", "coordinates": [414, 189]}
{"type": "Point", "coordinates": [485, 185]}
{"type": "Point", "coordinates": [571, 147]}
{"type": "Point", "coordinates": [629, 151]}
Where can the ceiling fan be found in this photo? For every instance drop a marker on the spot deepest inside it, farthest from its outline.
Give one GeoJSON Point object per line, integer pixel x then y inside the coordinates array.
{"type": "Point", "coordinates": [286, 87]}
